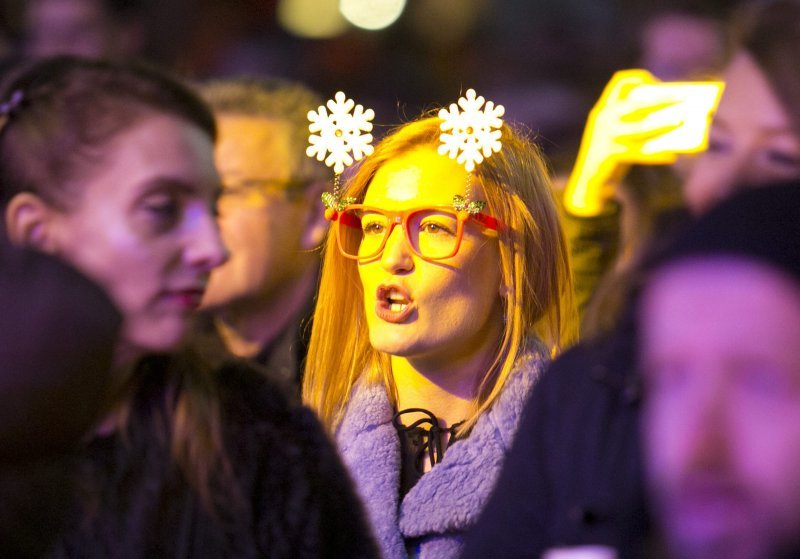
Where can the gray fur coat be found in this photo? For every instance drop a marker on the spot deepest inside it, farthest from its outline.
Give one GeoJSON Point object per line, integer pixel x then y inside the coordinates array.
{"type": "Point", "coordinates": [446, 501]}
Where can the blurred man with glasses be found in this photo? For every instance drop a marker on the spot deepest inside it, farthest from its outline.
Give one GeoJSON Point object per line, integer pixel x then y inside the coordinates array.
{"type": "Point", "coordinates": [271, 220]}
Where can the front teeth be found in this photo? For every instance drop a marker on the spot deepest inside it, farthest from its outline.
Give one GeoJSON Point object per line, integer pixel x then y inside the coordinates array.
{"type": "Point", "coordinates": [397, 303]}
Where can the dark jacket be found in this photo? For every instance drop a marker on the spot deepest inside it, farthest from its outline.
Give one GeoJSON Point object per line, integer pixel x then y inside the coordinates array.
{"type": "Point", "coordinates": [573, 474]}
{"type": "Point", "coordinates": [282, 359]}
{"type": "Point", "coordinates": [294, 498]}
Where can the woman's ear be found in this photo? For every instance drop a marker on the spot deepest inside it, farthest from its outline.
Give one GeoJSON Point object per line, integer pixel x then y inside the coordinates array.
{"type": "Point", "coordinates": [316, 225]}
{"type": "Point", "coordinates": [28, 220]}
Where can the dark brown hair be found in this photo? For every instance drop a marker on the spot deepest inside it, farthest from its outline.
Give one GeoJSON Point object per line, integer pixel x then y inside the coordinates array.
{"type": "Point", "coordinates": [67, 110]}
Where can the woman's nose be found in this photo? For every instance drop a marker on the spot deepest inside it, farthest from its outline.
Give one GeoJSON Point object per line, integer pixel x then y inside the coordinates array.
{"type": "Point", "coordinates": [396, 255]}
{"type": "Point", "coordinates": [206, 249]}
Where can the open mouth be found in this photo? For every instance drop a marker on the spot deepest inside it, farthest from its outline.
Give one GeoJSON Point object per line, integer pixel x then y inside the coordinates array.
{"type": "Point", "coordinates": [393, 303]}
{"type": "Point", "coordinates": [187, 299]}
{"type": "Point", "coordinates": [190, 298]}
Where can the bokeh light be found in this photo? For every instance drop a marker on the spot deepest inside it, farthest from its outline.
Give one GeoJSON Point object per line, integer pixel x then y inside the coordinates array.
{"type": "Point", "coordinates": [312, 19]}
{"type": "Point", "coordinates": [372, 14]}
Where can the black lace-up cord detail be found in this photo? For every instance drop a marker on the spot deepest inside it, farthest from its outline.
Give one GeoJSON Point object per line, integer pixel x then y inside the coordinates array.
{"type": "Point", "coordinates": [424, 440]}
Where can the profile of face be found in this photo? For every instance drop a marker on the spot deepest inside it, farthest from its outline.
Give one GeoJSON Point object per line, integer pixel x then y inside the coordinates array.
{"type": "Point", "coordinates": [141, 225]}
{"type": "Point", "coordinates": [438, 311]}
{"type": "Point", "coordinates": [751, 141]}
{"type": "Point", "coordinates": [721, 417]}
{"type": "Point", "coordinates": [268, 223]}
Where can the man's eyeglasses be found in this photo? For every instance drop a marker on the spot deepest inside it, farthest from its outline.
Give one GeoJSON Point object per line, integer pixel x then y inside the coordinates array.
{"type": "Point", "coordinates": [271, 187]}
{"type": "Point", "coordinates": [433, 233]}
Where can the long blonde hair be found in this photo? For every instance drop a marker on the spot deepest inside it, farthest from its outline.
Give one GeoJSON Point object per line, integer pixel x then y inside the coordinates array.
{"type": "Point", "coordinates": [534, 263]}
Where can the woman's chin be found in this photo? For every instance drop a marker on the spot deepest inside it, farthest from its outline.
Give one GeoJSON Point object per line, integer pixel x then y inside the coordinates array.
{"type": "Point", "coordinates": [393, 343]}
{"type": "Point", "coordinates": [134, 344]}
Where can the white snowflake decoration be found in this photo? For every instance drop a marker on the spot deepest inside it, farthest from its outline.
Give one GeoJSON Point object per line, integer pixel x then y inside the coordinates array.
{"type": "Point", "coordinates": [471, 135]}
{"type": "Point", "coordinates": [340, 132]}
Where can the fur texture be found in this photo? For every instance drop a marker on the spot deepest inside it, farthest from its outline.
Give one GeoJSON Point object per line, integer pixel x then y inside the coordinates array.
{"type": "Point", "coordinates": [433, 516]}
{"type": "Point", "coordinates": [295, 499]}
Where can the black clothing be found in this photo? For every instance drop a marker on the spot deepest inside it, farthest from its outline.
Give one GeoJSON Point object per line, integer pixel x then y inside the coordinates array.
{"type": "Point", "coordinates": [285, 357]}
{"type": "Point", "coordinates": [573, 474]}
{"type": "Point", "coordinates": [291, 497]}
{"type": "Point", "coordinates": [57, 335]}
{"type": "Point", "coordinates": [282, 360]}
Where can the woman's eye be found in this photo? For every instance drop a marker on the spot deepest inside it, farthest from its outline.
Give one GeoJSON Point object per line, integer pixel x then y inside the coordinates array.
{"type": "Point", "coordinates": [434, 228]}
{"type": "Point", "coordinates": [717, 145]}
{"type": "Point", "coordinates": [784, 159]}
{"type": "Point", "coordinates": [162, 209]}
{"type": "Point", "coordinates": [373, 228]}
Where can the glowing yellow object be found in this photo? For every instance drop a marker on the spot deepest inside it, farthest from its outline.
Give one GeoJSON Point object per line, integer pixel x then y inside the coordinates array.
{"type": "Point", "coordinates": [637, 120]}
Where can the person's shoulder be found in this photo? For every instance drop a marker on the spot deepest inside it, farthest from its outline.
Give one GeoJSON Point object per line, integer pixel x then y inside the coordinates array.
{"type": "Point", "coordinates": [573, 360]}
{"type": "Point", "coordinates": [268, 432]}
{"type": "Point", "coordinates": [260, 410]}
{"type": "Point", "coordinates": [596, 372]}
{"type": "Point", "coordinates": [592, 359]}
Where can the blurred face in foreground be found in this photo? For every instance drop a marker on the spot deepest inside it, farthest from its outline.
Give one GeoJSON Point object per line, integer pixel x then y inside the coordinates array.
{"type": "Point", "coordinates": [267, 215]}
{"type": "Point", "coordinates": [141, 225]}
{"type": "Point", "coordinates": [722, 409]}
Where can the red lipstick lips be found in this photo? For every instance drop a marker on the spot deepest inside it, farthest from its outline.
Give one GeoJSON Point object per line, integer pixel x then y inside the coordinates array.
{"type": "Point", "coordinates": [393, 303]}
{"type": "Point", "coordinates": [187, 299]}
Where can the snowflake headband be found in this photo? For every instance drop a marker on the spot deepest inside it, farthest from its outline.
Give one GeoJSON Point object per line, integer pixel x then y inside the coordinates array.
{"type": "Point", "coordinates": [345, 130]}
{"type": "Point", "coordinates": [469, 136]}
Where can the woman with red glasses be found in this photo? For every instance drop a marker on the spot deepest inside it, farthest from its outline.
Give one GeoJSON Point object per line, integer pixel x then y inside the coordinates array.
{"type": "Point", "coordinates": [443, 293]}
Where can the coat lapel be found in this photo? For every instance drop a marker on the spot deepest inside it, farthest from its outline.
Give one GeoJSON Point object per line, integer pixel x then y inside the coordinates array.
{"type": "Point", "coordinates": [449, 498]}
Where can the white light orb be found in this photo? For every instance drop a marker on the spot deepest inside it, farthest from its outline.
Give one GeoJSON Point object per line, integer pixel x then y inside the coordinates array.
{"type": "Point", "coordinates": [372, 14]}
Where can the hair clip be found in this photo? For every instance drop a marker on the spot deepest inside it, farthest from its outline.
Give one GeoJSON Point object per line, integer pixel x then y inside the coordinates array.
{"type": "Point", "coordinates": [343, 138]}
{"type": "Point", "coordinates": [10, 107]}
{"type": "Point", "coordinates": [469, 136]}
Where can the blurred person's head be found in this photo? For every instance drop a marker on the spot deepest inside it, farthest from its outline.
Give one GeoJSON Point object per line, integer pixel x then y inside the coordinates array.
{"type": "Point", "coordinates": [408, 278]}
{"type": "Point", "coordinates": [96, 28]}
{"type": "Point", "coordinates": [719, 328]}
{"type": "Point", "coordinates": [680, 44]}
{"type": "Point", "coordinates": [270, 213]}
{"type": "Point", "coordinates": [110, 167]}
{"type": "Point", "coordinates": [755, 136]}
